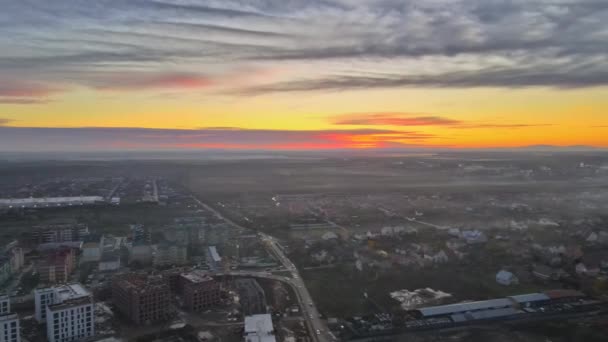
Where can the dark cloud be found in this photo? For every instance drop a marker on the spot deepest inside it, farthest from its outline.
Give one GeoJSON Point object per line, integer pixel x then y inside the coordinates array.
{"type": "Point", "coordinates": [199, 8]}
{"type": "Point", "coordinates": [492, 77]}
{"type": "Point", "coordinates": [211, 28]}
{"type": "Point", "coordinates": [468, 43]}
{"type": "Point", "coordinates": [100, 138]}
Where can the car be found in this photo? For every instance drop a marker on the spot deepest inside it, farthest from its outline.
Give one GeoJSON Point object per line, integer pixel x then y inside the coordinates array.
{"type": "Point", "coordinates": [318, 332]}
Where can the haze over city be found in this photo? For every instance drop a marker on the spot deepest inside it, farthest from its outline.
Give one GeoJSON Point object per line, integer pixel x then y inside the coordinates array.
{"type": "Point", "coordinates": [303, 171]}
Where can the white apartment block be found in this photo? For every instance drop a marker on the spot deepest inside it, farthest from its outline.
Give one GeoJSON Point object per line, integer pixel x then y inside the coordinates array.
{"type": "Point", "coordinates": [42, 298]}
{"type": "Point", "coordinates": [72, 320]}
{"type": "Point", "coordinates": [5, 305]}
{"type": "Point", "coordinates": [67, 310]}
{"type": "Point", "coordinates": [9, 328]}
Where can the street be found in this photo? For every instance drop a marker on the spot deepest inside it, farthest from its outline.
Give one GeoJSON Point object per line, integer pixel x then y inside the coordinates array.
{"type": "Point", "coordinates": [318, 330]}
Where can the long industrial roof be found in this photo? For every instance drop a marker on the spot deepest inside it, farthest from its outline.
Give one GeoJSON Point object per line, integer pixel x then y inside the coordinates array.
{"type": "Point", "coordinates": [49, 200]}
{"type": "Point", "coordinates": [487, 314]}
{"type": "Point", "coordinates": [464, 307]}
{"type": "Point", "coordinates": [530, 297]}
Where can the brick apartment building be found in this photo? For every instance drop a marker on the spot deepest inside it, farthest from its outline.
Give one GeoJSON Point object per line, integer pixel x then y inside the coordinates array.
{"type": "Point", "coordinates": [56, 266]}
{"type": "Point", "coordinates": [143, 299]}
{"type": "Point", "coordinates": [199, 291]}
{"type": "Point", "coordinates": [57, 233]}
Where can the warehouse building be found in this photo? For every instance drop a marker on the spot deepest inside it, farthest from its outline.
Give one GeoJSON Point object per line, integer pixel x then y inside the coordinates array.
{"type": "Point", "coordinates": [443, 310]}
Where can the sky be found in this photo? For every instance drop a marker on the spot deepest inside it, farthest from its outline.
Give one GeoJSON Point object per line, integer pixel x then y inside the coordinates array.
{"type": "Point", "coordinates": [302, 74]}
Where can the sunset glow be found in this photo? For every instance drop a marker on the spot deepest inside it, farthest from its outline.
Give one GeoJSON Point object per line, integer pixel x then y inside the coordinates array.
{"type": "Point", "coordinates": [302, 74]}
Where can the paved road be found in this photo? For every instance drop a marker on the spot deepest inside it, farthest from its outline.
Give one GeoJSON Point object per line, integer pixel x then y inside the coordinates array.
{"type": "Point", "coordinates": [321, 333]}
{"type": "Point", "coordinates": [316, 327]}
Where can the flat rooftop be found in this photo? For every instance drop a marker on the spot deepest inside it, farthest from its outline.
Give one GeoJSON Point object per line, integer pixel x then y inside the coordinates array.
{"type": "Point", "coordinates": [49, 200]}
{"type": "Point", "coordinates": [71, 303]}
{"type": "Point", "coordinates": [214, 254]}
{"type": "Point", "coordinates": [258, 328]}
{"type": "Point", "coordinates": [530, 297]}
{"type": "Point", "coordinates": [71, 291]}
{"type": "Point", "coordinates": [465, 307]}
{"type": "Point", "coordinates": [8, 317]}
{"type": "Point", "coordinates": [141, 282]}
{"type": "Point", "coordinates": [197, 277]}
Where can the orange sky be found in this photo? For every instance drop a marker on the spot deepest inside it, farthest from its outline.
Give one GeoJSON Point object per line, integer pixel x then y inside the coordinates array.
{"type": "Point", "coordinates": [303, 74]}
{"type": "Point", "coordinates": [454, 117]}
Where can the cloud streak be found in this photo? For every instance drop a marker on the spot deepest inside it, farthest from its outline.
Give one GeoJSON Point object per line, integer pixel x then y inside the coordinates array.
{"type": "Point", "coordinates": [451, 43]}
{"type": "Point", "coordinates": [503, 78]}
{"type": "Point", "coordinates": [19, 92]}
{"type": "Point", "coordinates": [391, 119]}
{"type": "Point", "coordinates": [398, 119]}
{"type": "Point", "coordinates": [99, 138]}
{"type": "Point", "coordinates": [141, 81]}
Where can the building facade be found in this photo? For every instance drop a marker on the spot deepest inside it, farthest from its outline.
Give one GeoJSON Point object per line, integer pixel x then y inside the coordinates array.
{"type": "Point", "coordinates": [70, 320]}
{"type": "Point", "coordinates": [199, 291]}
{"type": "Point", "coordinates": [5, 269]}
{"type": "Point", "coordinates": [9, 322]}
{"type": "Point", "coordinates": [5, 305]}
{"type": "Point", "coordinates": [91, 251]}
{"type": "Point", "coordinates": [109, 262]}
{"type": "Point", "coordinates": [9, 328]}
{"type": "Point", "coordinates": [170, 254]}
{"type": "Point", "coordinates": [42, 298]}
{"type": "Point", "coordinates": [59, 233]}
{"type": "Point", "coordinates": [143, 299]}
{"type": "Point", "coordinates": [56, 266]}
{"type": "Point", "coordinates": [68, 311]}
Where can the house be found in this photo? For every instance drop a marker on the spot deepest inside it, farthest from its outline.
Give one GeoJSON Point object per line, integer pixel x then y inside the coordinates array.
{"type": "Point", "coordinates": [592, 238]}
{"type": "Point", "coordinates": [440, 258]}
{"type": "Point", "coordinates": [474, 236]}
{"type": "Point", "coordinates": [506, 278]}
{"type": "Point", "coordinates": [455, 232]}
{"type": "Point", "coordinates": [329, 236]}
